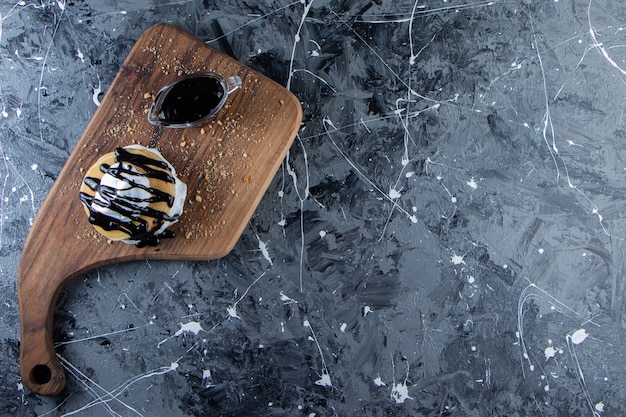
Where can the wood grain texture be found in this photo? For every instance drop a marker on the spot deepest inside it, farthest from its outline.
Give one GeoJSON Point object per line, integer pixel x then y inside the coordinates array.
{"type": "Point", "coordinates": [227, 166]}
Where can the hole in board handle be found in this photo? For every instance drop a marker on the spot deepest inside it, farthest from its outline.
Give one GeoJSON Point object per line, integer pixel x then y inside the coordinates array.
{"type": "Point", "coordinates": [40, 374]}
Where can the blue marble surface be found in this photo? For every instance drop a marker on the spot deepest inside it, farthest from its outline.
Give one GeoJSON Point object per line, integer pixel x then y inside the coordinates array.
{"type": "Point", "coordinates": [446, 236]}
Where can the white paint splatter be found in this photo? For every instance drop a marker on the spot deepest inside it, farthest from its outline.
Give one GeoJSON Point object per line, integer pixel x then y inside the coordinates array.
{"type": "Point", "coordinates": [286, 299]}
{"type": "Point", "coordinates": [457, 259]}
{"type": "Point", "coordinates": [599, 407]}
{"type": "Point", "coordinates": [34, 167]}
{"type": "Point", "coordinates": [394, 194]}
{"type": "Point", "coordinates": [579, 336]}
{"type": "Point", "coordinates": [472, 183]}
{"type": "Point", "coordinates": [367, 310]}
{"type": "Point", "coordinates": [324, 381]}
{"type": "Point", "coordinates": [264, 251]}
{"type": "Point", "coordinates": [322, 234]}
{"type": "Point", "coordinates": [206, 376]}
{"type": "Point", "coordinates": [379, 382]}
{"type": "Point", "coordinates": [343, 327]}
{"type": "Point", "coordinates": [232, 312]}
{"type": "Point", "coordinates": [191, 327]}
{"type": "Point", "coordinates": [400, 393]}
{"type": "Point", "coordinates": [96, 92]}
{"type": "Point", "coordinates": [550, 352]}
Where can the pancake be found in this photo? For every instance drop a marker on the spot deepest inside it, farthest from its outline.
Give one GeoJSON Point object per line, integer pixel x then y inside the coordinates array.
{"type": "Point", "coordinates": [133, 195]}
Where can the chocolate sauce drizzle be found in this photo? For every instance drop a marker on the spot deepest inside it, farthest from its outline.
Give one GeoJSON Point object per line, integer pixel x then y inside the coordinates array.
{"type": "Point", "coordinates": [131, 209]}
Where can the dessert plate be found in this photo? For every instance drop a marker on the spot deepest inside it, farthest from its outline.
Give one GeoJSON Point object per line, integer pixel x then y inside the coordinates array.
{"type": "Point", "coordinates": [227, 165]}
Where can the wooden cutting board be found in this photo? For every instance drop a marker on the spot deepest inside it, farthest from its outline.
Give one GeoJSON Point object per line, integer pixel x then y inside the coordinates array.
{"type": "Point", "coordinates": [227, 165]}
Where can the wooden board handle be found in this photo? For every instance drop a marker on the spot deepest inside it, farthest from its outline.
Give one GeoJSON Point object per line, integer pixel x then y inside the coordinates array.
{"type": "Point", "coordinates": [46, 266]}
